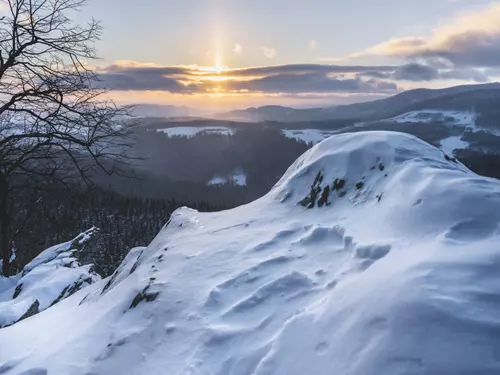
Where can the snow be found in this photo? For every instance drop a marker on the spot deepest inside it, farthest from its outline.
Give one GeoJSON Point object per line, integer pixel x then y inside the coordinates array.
{"type": "Point", "coordinates": [217, 181]}
{"type": "Point", "coordinates": [313, 136]}
{"type": "Point", "coordinates": [237, 178]}
{"type": "Point", "coordinates": [192, 131]}
{"type": "Point", "coordinates": [51, 276]}
{"type": "Point", "coordinates": [450, 144]}
{"type": "Point", "coordinates": [458, 118]}
{"type": "Point", "coordinates": [398, 274]}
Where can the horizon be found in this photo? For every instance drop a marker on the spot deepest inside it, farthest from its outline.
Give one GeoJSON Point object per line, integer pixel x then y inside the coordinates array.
{"type": "Point", "coordinates": [207, 112]}
{"type": "Point", "coordinates": [219, 55]}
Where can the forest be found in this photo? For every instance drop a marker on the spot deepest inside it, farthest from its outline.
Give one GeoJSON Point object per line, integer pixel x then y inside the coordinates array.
{"type": "Point", "coordinates": [173, 172]}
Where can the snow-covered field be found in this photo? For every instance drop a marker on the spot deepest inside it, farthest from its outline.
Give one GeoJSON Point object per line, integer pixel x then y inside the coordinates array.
{"type": "Point", "coordinates": [396, 273]}
{"type": "Point", "coordinates": [313, 136]}
{"type": "Point", "coordinates": [450, 144]}
{"type": "Point", "coordinates": [464, 118]}
{"type": "Point", "coordinates": [191, 131]}
{"type": "Point", "coordinates": [238, 178]}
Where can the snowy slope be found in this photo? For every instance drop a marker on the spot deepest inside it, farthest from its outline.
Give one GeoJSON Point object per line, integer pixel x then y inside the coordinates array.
{"type": "Point", "coordinates": [53, 275]}
{"type": "Point", "coordinates": [397, 273]}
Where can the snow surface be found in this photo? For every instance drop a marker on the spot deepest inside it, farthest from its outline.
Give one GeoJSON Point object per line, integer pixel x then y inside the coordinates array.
{"type": "Point", "coordinates": [313, 136]}
{"type": "Point", "coordinates": [397, 275]}
{"type": "Point", "coordinates": [50, 277]}
{"type": "Point", "coordinates": [237, 178]}
{"type": "Point", "coordinates": [450, 144]}
{"type": "Point", "coordinates": [217, 180]}
{"type": "Point", "coordinates": [191, 131]}
{"type": "Point", "coordinates": [464, 118]}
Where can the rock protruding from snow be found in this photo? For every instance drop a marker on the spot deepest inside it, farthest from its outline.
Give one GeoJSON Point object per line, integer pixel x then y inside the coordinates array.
{"type": "Point", "coordinates": [394, 272]}
{"type": "Point", "coordinates": [52, 276]}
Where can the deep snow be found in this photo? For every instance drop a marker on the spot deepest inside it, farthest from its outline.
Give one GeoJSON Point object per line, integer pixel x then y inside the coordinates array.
{"type": "Point", "coordinates": [52, 276]}
{"type": "Point", "coordinates": [398, 274]}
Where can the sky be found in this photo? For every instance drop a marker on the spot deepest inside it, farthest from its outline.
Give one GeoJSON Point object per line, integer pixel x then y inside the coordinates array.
{"type": "Point", "coordinates": [240, 53]}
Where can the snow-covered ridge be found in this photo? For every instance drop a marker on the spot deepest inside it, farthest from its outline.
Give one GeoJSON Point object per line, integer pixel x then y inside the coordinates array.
{"type": "Point", "coordinates": [52, 276]}
{"type": "Point", "coordinates": [375, 254]}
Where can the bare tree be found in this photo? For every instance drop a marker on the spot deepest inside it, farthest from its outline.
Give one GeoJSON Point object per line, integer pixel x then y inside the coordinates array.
{"type": "Point", "coordinates": [56, 124]}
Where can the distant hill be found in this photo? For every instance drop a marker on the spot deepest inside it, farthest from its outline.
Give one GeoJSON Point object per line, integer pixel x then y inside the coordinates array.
{"type": "Point", "coordinates": [375, 110]}
{"type": "Point", "coordinates": [158, 110]}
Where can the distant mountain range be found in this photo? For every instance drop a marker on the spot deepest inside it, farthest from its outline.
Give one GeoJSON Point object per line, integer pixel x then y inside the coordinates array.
{"type": "Point", "coordinates": [452, 98]}
{"type": "Point", "coordinates": [167, 111]}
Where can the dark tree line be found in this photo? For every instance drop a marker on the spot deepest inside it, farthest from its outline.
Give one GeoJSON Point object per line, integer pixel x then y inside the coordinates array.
{"type": "Point", "coordinates": [124, 223]}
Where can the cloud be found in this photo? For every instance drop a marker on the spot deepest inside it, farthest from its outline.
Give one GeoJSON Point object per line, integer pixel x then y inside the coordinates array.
{"type": "Point", "coordinates": [417, 72]}
{"type": "Point", "coordinates": [317, 82]}
{"type": "Point", "coordinates": [305, 68]}
{"type": "Point", "coordinates": [237, 48]}
{"type": "Point", "coordinates": [470, 40]}
{"type": "Point", "coordinates": [269, 52]}
{"type": "Point", "coordinates": [284, 79]}
{"type": "Point", "coordinates": [297, 79]}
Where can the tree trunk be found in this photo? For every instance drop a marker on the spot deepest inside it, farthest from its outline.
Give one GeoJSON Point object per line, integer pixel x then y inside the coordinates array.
{"type": "Point", "coordinates": [4, 227]}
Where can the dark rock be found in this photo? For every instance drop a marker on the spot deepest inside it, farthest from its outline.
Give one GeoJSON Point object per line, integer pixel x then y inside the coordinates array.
{"type": "Point", "coordinates": [78, 285]}
{"type": "Point", "coordinates": [338, 184]}
{"type": "Point", "coordinates": [136, 264]}
{"type": "Point", "coordinates": [324, 196]}
{"type": "Point", "coordinates": [110, 282]}
{"type": "Point", "coordinates": [33, 310]}
{"type": "Point", "coordinates": [145, 295]}
{"type": "Point", "coordinates": [17, 291]}
{"type": "Point", "coordinates": [61, 296]}
{"type": "Point", "coordinates": [310, 200]}
{"type": "Point", "coordinates": [449, 158]}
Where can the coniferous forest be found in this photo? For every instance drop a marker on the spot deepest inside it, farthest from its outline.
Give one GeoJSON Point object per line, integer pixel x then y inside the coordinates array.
{"type": "Point", "coordinates": [172, 172]}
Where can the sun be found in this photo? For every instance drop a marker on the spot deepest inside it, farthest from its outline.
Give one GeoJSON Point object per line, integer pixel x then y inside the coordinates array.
{"type": "Point", "coordinates": [218, 65]}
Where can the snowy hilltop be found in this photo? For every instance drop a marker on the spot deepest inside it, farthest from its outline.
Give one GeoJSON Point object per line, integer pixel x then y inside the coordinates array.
{"type": "Point", "coordinates": [376, 253]}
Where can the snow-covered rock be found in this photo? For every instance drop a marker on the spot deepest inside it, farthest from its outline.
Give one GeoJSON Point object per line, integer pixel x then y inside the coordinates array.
{"type": "Point", "coordinates": [395, 273]}
{"type": "Point", "coordinates": [52, 276]}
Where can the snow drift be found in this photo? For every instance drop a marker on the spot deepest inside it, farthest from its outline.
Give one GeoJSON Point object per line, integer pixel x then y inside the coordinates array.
{"type": "Point", "coordinates": [52, 276]}
{"type": "Point", "coordinates": [375, 254]}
